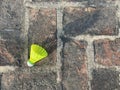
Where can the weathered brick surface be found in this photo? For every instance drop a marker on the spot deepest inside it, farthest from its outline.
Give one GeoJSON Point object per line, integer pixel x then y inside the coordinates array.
{"type": "Point", "coordinates": [105, 79]}
{"type": "Point", "coordinates": [29, 81]}
{"type": "Point", "coordinates": [79, 56]}
{"type": "Point", "coordinates": [11, 14]}
{"type": "Point", "coordinates": [90, 20]}
{"type": "Point", "coordinates": [11, 19]}
{"type": "Point", "coordinates": [107, 52]}
{"type": "Point", "coordinates": [101, 2]}
{"type": "Point", "coordinates": [11, 48]}
{"type": "Point", "coordinates": [45, 0]}
{"type": "Point", "coordinates": [75, 0]}
{"type": "Point", "coordinates": [74, 66]}
{"type": "Point", "coordinates": [42, 31]}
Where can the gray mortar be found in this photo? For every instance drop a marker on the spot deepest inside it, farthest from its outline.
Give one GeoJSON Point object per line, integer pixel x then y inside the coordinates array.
{"type": "Point", "coordinates": [59, 43]}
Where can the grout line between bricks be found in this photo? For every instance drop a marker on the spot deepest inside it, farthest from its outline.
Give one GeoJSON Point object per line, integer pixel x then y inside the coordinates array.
{"type": "Point", "coordinates": [29, 3]}
{"type": "Point", "coordinates": [92, 38]}
{"type": "Point", "coordinates": [37, 69]}
{"type": "Point", "coordinates": [26, 33]}
{"type": "Point", "coordinates": [73, 4]}
{"type": "Point", "coordinates": [118, 13]}
{"type": "Point", "coordinates": [26, 1]}
{"type": "Point", "coordinates": [59, 43]}
{"type": "Point", "coordinates": [54, 4]}
{"type": "Point", "coordinates": [90, 61]}
{"type": "Point", "coordinates": [112, 67]}
{"type": "Point", "coordinates": [117, 68]}
{"type": "Point", "coordinates": [41, 5]}
{"type": "Point", "coordinates": [5, 69]}
{"type": "Point", "coordinates": [119, 32]}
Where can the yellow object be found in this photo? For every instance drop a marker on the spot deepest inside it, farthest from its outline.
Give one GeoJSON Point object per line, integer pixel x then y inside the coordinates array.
{"type": "Point", "coordinates": [36, 54]}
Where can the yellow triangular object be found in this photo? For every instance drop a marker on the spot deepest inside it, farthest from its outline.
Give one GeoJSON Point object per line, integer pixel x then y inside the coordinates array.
{"type": "Point", "coordinates": [37, 53]}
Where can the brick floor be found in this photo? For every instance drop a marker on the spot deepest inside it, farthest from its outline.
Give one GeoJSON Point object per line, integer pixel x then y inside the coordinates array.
{"type": "Point", "coordinates": [11, 48]}
{"type": "Point", "coordinates": [105, 79]}
{"type": "Point", "coordinates": [11, 14]}
{"type": "Point", "coordinates": [42, 31]}
{"type": "Point", "coordinates": [75, 0]}
{"type": "Point", "coordinates": [74, 65]}
{"type": "Point", "coordinates": [107, 52]}
{"type": "Point", "coordinates": [90, 20]}
{"type": "Point", "coordinates": [81, 37]}
{"type": "Point", "coordinates": [27, 80]}
{"type": "Point", "coordinates": [11, 25]}
{"type": "Point", "coordinates": [44, 0]}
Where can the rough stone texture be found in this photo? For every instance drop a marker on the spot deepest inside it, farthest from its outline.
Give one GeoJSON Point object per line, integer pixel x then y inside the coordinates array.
{"type": "Point", "coordinates": [45, 0]}
{"type": "Point", "coordinates": [74, 69]}
{"type": "Point", "coordinates": [75, 0]}
{"type": "Point", "coordinates": [11, 20]}
{"type": "Point", "coordinates": [29, 81]}
{"type": "Point", "coordinates": [90, 20]}
{"type": "Point", "coordinates": [0, 80]}
{"type": "Point", "coordinates": [101, 2]}
{"type": "Point", "coordinates": [42, 31]}
{"type": "Point", "coordinates": [11, 48]}
{"type": "Point", "coordinates": [11, 14]}
{"type": "Point", "coordinates": [74, 65]}
{"type": "Point", "coordinates": [105, 79]}
{"type": "Point", "coordinates": [107, 52]}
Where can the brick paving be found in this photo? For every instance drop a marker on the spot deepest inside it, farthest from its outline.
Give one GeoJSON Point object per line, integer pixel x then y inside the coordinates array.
{"type": "Point", "coordinates": [81, 37]}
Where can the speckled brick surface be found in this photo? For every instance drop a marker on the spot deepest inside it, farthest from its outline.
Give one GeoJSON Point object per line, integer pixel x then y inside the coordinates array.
{"type": "Point", "coordinates": [42, 31]}
{"type": "Point", "coordinates": [81, 37]}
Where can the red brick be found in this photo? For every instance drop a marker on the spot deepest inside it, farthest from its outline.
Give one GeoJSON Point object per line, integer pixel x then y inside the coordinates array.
{"type": "Point", "coordinates": [107, 52]}
{"type": "Point", "coordinates": [11, 14]}
{"type": "Point", "coordinates": [75, 0]}
{"type": "Point", "coordinates": [11, 48]}
{"type": "Point", "coordinates": [74, 66]}
{"type": "Point", "coordinates": [42, 31]}
{"type": "Point", "coordinates": [11, 23]}
{"type": "Point", "coordinates": [105, 79]}
{"type": "Point", "coordinates": [90, 20]}
{"type": "Point", "coordinates": [20, 80]}
{"type": "Point", "coordinates": [101, 2]}
{"type": "Point", "coordinates": [45, 0]}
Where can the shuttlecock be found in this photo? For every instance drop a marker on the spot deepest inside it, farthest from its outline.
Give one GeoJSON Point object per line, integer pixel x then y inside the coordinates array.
{"type": "Point", "coordinates": [37, 53]}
